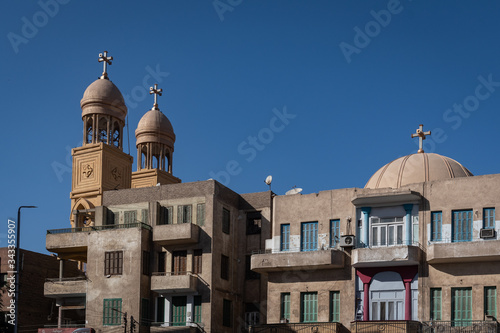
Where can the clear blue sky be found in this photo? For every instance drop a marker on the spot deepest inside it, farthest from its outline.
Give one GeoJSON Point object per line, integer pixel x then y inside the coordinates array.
{"type": "Point", "coordinates": [355, 78]}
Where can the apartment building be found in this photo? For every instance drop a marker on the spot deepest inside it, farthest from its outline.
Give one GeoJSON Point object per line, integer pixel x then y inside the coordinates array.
{"type": "Point", "coordinates": [417, 248]}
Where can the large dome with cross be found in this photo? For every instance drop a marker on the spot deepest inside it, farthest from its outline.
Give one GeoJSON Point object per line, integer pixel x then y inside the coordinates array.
{"type": "Point", "coordinates": [417, 168]}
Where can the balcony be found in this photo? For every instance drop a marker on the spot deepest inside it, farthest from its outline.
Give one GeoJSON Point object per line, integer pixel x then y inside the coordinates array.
{"type": "Point", "coordinates": [383, 256]}
{"type": "Point", "coordinates": [288, 260]}
{"type": "Point", "coordinates": [175, 234]}
{"type": "Point", "coordinates": [74, 241]}
{"type": "Point", "coordinates": [66, 287]}
{"type": "Point", "coordinates": [168, 283]}
{"type": "Point", "coordinates": [299, 327]}
{"type": "Point", "coordinates": [392, 326]}
{"type": "Point", "coordinates": [473, 251]}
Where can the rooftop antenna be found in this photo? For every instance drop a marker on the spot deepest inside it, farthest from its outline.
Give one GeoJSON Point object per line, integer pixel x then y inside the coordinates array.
{"type": "Point", "coordinates": [294, 190]}
{"type": "Point", "coordinates": [268, 181]}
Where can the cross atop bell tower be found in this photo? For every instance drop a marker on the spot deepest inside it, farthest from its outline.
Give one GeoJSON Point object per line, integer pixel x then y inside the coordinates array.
{"type": "Point", "coordinates": [154, 90]}
{"type": "Point", "coordinates": [421, 137]}
{"type": "Point", "coordinates": [103, 57]}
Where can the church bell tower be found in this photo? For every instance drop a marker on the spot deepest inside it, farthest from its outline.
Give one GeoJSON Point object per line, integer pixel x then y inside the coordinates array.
{"type": "Point", "coordinates": [100, 164]}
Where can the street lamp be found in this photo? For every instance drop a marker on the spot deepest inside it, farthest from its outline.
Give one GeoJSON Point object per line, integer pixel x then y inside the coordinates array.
{"type": "Point", "coordinates": [18, 260]}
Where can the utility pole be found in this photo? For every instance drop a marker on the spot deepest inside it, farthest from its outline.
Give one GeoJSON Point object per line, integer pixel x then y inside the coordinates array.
{"type": "Point", "coordinates": [132, 324]}
{"type": "Point", "coordinates": [125, 322]}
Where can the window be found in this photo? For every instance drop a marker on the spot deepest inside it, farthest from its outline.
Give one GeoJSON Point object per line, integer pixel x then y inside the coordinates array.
{"type": "Point", "coordinates": [165, 215]}
{"type": "Point", "coordinates": [224, 267]}
{"type": "Point", "coordinates": [335, 306]}
{"type": "Point", "coordinates": [436, 313]}
{"type": "Point", "coordinates": [184, 214]}
{"type": "Point", "coordinates": [178, 311]}
{"type": "Point", "coordinates": [197, 309]}
{"type": "Point", "coordinates": [308, 307]}
{"type": "Point", "coordinates": [489, 218]}
{"type": "Point", "coordinates": [249, 274]}
{"type": "Point", "coordinates": [145, 263]}
{"type": "Point", "coordinates": [285, 237]}
{"type": "Point", "coordinates": [200, 214]}
{"type": "Point", "coordinates": [334, 232]}
{"type": "Point", "coordinates": [161, 262]}
{"type": "Point", "coordinates": [387, 231]}
{"type": "Point", "coordinates": [111, 218]}
{"type": "Point", "coordinates": [490, 301]}
{"type": "Point", "coordinates": [160, 309]}
{"type": "Point", "coordinates": [309, 236]}
{"type": "Point", "coordinates": [145, 216]}
{"type": "Point", "coordinates": [436, 226]}
{"type": "Point", "coordinates": [145, 321]}
{"type": "Point", "coordinates": [226, 221]}
{"type": "Point", "coordinates": [462, 226]}
{"type": "Point", "coordinates": [113, 263]}
{"type": "Point", "coordinates": [285, 306]}
{"type": "Point", "coordinates": [197, 261]}
{"type": "Point", "coordinates": [461, 306]}
{"type": "Point", "coordinates": [252, 314]}
{"type": "Point", "coordinates": [254, 223]}
{"type": "Point", "coordinates": [112, 311]}
{"type": "Point", "coordinates": [227, 313]}
{"type": "Point", "coordinates": [130, 216]}
{"type": "Point", "coordinates": [179, 262]}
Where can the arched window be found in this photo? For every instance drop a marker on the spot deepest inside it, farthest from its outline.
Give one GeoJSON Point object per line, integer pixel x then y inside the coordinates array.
{"type": "Point", "coordinates": [116, 134]}
{"type": "Point", "coordinates": [103, 130]}
{"type": "Point", "coordinates": [90, 130]}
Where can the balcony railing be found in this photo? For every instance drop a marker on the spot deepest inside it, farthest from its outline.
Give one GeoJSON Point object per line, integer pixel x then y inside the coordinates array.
{"type": "Point", "coordinates": [464, 326]}
{"type": "Point", "coordinates": [298, 327]}
{"type": "Point", "coordinates": [389, 326]}
{"type": "Point", "coordinates": [100, 228]}
{"type": "Point", "coordinates": [75, 278]}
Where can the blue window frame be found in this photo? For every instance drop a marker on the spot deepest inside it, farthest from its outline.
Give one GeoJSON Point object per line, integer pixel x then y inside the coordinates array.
{"type": "Point", "coordinates": [462, 225]}
{"type": "Point", "coordinates": [436, 226]}
{"type": "Point", "coordinates": [309, 236]}
{"type": "Point", "coordinates": [334, 232]}
{"type": "Point", "coordinates": [285, 237]}
{"type": "Point", "coordinates": [489, 218]}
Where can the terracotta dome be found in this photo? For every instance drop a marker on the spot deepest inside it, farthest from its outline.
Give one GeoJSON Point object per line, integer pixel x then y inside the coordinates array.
{"type": "Point", "coordinates": [103, 97]}
{"type": "Point", "coordinates": [154, 126]}
{"type": "Point", "coordinates": [417, 168]}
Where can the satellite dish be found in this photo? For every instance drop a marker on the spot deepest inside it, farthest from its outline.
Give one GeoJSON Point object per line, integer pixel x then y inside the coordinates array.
{"type": "Point", "coordinates": [295, 190]}
{"type": "Point", "coordinates": [269, 179]}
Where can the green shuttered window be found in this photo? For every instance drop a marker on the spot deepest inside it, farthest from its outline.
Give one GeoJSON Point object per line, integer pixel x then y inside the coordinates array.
{"type": "Point", "coordinates": [436, 313]}
{"type": "Point", "coordinates": [112, 308]}
{"type": "Point", "coordinates": [461, 306]}
{"type": "Point", "coordinates": [309, 307]}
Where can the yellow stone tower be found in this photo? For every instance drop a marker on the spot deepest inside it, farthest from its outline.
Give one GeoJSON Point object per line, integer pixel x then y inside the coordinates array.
{"type": "Point", "coordinates": [155, 146]}
{"type": "Point", "coordinates": [100, 164]}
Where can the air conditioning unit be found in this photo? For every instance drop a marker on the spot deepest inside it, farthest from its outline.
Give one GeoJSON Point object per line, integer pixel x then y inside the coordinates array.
{"type": "Point", "coordinates": [347, 241]}
{"type": "Point", "coordinates": [487, 233]}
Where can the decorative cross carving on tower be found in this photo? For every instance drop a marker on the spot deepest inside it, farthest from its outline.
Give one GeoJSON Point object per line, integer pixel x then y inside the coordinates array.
{"type": "Point", "coordinates": [154, 90]}
{"type": "Point", "coordinates": [103, 57]}
{"type": "Point", "coordinates": [421, 137]}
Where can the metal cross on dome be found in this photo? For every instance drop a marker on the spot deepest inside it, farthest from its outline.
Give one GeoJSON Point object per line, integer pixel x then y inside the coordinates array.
{"type": "Point", "coordinates": [103, 57]}
{"type": "Point", "coordinates": [154, 90]}
{"type": "Point", "coordinates": [421, 137]}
